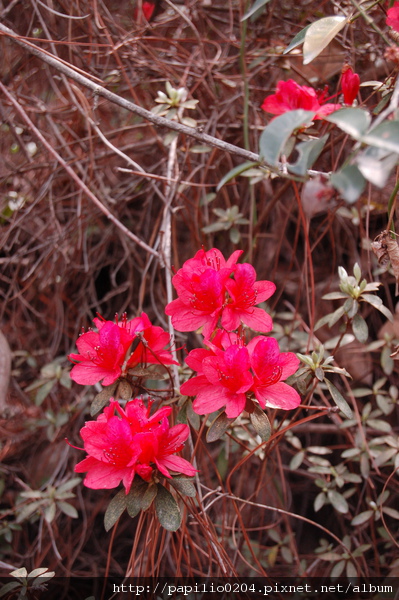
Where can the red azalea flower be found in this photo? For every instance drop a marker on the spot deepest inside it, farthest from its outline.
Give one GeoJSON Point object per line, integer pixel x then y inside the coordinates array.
{"type": "Point", "coordinates": [101, 355]}
{"type": "Point", "coordinates": [223, 380]}
{"type": "Point", "coordinates": [271, 367]}
{"type": "Point", "coordinates": [350, 83]}
{"type": "Point", "coordinates": [393, 17]}
{"type": "Point", "coordinates": [121, 443]}
{"type": "Point", "coordinates": [292, 96]}
{"type": "Point", "coordinates": [200, 285]}
{"type": "Point", "coordinates": [153, 341]}
{"type": "Point", "coordinates": [245, 293]}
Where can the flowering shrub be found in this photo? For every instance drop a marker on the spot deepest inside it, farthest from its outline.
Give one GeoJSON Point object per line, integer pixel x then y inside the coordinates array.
{"type": "Point", "coordinates": [219, 296]}
{"type": "Point", "coordinates": [393, 16]}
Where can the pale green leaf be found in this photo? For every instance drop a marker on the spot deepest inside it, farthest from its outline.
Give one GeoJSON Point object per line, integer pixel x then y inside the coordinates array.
{"type": "Point", "coordinates": [8, 587]}
{"type": "Point", "coordinates": [297, 40]}
{"type": "Point", "coordinates": [235, 172]}
{"type": "Point", "coordinates": [320, 34]}
{"type": "Point", "coordinates": [349, 182]}
{"type": "Point", "coordinates": [309, 152]}
{"type": "Point", "coordinates": [256, 6]}
{"type": "Point", "coordinates": [384, 136]}
{"type": "Point", "coordinates": [353, 121]}
{"type": "Point", "coordinates": [185, 486]}
{"type": "Point", "coordinates": [360, 329]}
{"type": "Point", "coordinates": [68, 509]}
{"type": "Point", "coordinates": [362, 517]}
{"type": "Point", "coordinates": [339, 399]}
{"type": "Point", "coordinates": [338, 501]}
{"type": "Point", "coordinates": [376, 164]}
{"type": "Point", "coordinates": [275, 136]}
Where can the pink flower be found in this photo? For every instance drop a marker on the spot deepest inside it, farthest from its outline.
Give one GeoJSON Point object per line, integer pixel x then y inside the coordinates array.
{"type": "Point", "coordinates": [393, 17]}
{"type": "Point", "coordinates": [147, 9]}
{"type": "Point", "coordinates": [123, 442]}
{"type": "Point", "coordinates": [270, 368]}
{"type": "Point", "coordinates": [292, 96]}
{"type": "Point", "coordinates": [223, 380]}
{"type": "Point", "coordinates": [153, 341]}
{"type": "Point", "coordinates": [245, 293]}
{"type": "Point", "coordinates": [207, 293]}
{"type": "Point", "coordinates": [350, 83]}
{"type": "Point", "coordinates": [102, 354]}
{"type": "Point", "coordinates": [200, 285]}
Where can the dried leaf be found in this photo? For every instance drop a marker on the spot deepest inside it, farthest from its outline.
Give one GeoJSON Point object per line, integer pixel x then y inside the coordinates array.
{"type": "Point", "coordinates": [386, 249]}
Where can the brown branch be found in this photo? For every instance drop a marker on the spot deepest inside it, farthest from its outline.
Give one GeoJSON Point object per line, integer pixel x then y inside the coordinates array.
{"type": "Point", "coordinates": [99, 90]}
{"type": "Point", "coordinates": [73, 175]}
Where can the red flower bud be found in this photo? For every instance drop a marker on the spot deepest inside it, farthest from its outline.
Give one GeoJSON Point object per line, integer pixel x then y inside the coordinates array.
{"type": "Point", "coordinates": [350, 83]}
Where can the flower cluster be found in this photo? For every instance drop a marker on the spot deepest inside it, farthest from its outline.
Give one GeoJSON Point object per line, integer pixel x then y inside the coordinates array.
{"type": "Point", "coordinates": [123, 442]}
{"type": "Point", "coordinates": [292, 96]}
{"type": "Point", "coordinates": [207, 293]}
{"type": "Point", "coordinates": [221, 296]}
{"type": "Point", "coordinates": [106, 354]}
{"type": "Point", "coordinates": [231, 373]}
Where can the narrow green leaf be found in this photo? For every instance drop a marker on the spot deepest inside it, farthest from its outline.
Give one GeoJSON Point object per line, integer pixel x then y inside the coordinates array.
{"type": "Point", "coordinates": [353, 121]}
{"type": "Point", "coordinates": [338, 501]}
{"type": "Point", "coordinates": [320, 34]}
{"type": "Point", "coordinates": [235, 172]}
{"type": "Point", "coordinates": [308, 154]}
{"type": "Point", "coordinates": [261, 423]}
{"type": "Point", "coordinates": [349, 182]}
{"type": "Point", "coordinates": [256, 6]}
{"type": "Point", "coordinates": [68, 509]}
{"type": "Point", "coordinates": [297, 40]}
{"type": "Point", "coordinates": [44, 391]}
{"type": "Point", "coordinates": [114, 509]}
{"type": "Point", "coordinates": [167, 510]}
{"type": "Point", "coordinates": [68, 485]}
{"type": "Point", "coordinates": [149, 496]}
{"type": "Point", "coordinates": [275, 136]}
{"type": "Point", "coordinates": [339, 399]}
{"type": "Point", "coordinates": [362, 517]}
{"type": "Point", "coordinates": [219, 427]}
{"type": "Point", "coordinates": [360, 329]}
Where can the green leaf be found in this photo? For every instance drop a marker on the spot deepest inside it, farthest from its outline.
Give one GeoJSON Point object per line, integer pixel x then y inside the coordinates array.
{"type": "Point", "coordinates": [256, 6]}
{"type": "Point", "coordinates": [308, 154]}
{"type": "Point", "coordinates": [8, 587]}
{"type": "Point", "coordinates": [167, 510]}
{"type": "Point", "coordinates": [353, 121]}
{"type": "Point", "coordinates": [102, 399]}
{"type": "Point", "coordinates": [384, 136]}
{"type": "Point", "coordinates": [297, 40]}
{"type": "Point", "coordinates": [338, 501]}
{"type": "Point", "coordinates": [339, 399]}
{"type": "Point", "coordinates": [261, 423]}
{"type": "Point", "coordinates": [68, 485]}
{"type": "Point", "coordinates": [235, 172]}
{"type": "Point", "coordinates": [185, 486]}
{"type": "Point", "coordinates": [68, 509]}
{"type": "Point", "coordinates": [378, 304]}
{"type": "Point", "coordinates": [148, 496]}
{"type": "Point", "coordinates": [114, 509]}
{"type": "Point", "coordinates": [219, 427]}
{"type": "Point", "coordinates": [349, 182]}
{"type": "Point", "coordinates": [49, 513]}
{"type": "Point", "coordinates": [44, 391]}
{"type": "Point", "coordinates": [275, 136]}
{"type": "Point", "coordinates": [234, 235]}
{"type": "Point", "coordinates": [319, 501]}
{"type": "Point", "coordinates": [135, 496]}
{"type": "Point", "coordinates": [360, 329]}
{"type": "Point", "coordinates": [362, 517]}
{"type": "Point", "coordinates": [28, 510]}
{"type": "Point", "coordinates": [320, 34]}
{"type": "Point", "coordinates": [376, 164]}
